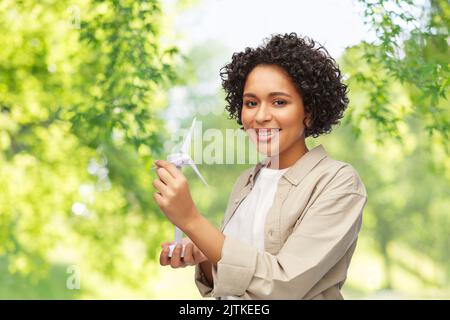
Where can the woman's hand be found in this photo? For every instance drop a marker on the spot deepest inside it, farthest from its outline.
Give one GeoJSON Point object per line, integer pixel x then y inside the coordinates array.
{"type": "Point", "coordinates": [174, 199]}
{"type": "Point", "coordinates": [173, 196]}
{"type": "Point", "coordinates": [192, 255]}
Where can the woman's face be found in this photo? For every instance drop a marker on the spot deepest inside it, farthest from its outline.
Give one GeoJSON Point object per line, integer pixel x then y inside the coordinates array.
{"type": "Point", "coordinates": [273, 113]}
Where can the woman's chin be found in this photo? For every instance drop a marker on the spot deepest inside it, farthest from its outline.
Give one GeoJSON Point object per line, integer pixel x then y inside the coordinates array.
{"type": "Point", "coordinates": [268, 151]}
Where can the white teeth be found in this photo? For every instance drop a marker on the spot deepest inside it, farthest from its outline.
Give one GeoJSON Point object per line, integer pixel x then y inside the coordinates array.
{"type": "Point", "coordinates": [266, 133]}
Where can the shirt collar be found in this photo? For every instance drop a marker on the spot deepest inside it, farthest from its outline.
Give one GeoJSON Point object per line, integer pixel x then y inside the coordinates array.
{"type": "Point", "coordinates": [299, 170]}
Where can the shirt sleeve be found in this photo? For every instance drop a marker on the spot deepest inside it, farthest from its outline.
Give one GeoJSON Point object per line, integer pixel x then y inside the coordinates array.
{"type": "Point", "coordinates": [203, 286]}
{"type": "Point", "coordinates": [327, 230]}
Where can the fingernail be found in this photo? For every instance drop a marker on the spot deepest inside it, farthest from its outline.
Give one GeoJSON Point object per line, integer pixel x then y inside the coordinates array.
{"type": "Point", "coordinates": [156, 162]}
{"type": "Point", "coordinates": [165, 249]}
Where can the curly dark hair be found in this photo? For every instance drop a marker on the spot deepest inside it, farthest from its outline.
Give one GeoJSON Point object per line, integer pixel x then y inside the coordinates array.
{"type": "Point", "coordinates": [313, 71]}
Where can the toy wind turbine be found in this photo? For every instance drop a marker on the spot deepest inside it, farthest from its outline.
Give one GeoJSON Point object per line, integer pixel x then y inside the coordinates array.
{"type": "Point", "coordinates": [180, 160]}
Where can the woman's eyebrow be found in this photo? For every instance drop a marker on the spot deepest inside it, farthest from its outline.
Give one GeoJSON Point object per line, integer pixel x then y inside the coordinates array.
{"type": "Point", "coordinates": [277, 93]}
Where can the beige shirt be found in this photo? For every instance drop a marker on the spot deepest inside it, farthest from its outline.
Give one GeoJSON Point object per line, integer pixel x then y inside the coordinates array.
{"type": "Point", "coordinates": [310, 235]}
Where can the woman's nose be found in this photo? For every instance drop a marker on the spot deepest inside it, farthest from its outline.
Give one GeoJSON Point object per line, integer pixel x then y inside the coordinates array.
{"type": "Point", "coordinates": [263, 114]}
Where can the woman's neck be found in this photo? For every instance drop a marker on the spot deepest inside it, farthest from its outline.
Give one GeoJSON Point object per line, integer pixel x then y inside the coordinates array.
{"type": "Point", "coordinates": [288, 157]}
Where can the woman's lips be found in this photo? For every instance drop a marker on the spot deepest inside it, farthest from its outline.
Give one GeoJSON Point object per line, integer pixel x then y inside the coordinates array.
{"type": "Point", "coordinates": [265, 135]}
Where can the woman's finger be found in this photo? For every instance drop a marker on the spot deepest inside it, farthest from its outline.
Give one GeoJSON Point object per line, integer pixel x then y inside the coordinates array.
{"type": "Point", "coordinates": [164, 256]}
{"type": "Point", "coordinates": [165, 176]}
{"type": "Point", "coordinates": [167, 243]}
{"type": "Point", "coordinates": [158, 199]}
{"type": "Point", "coordinates": [160, 186]}
{"type": "Point", "coordinates": [188, 254]}
{"type": "Point", "coordinates": [175, 261]}
{"type": "Point", "coordinates": [170, 167]}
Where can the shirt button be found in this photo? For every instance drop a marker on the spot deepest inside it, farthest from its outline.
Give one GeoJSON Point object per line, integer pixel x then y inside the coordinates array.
{"type": "Point", "coordinates": [270, 232]}
{"type": "Point", "coordinates": [236, 200]}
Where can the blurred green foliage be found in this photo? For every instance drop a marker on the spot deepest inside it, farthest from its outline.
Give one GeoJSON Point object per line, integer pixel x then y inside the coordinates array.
{"type": "Point", "coordinates": [81, 83]}
{"type": "Point", "coordinates": [83, 97]}
{"type": "Point", "coordinates": [399, 103]}
{"type": "Point", "coordinates": [412, 49]}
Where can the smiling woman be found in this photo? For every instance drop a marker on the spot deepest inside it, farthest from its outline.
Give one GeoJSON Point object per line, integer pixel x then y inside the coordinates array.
{"type": "Point", "coordinates": [310, 74]}
{"type": "Point", "coordinates": [292, 221]}
{"type": "Point", "coordinates": [274, 114]}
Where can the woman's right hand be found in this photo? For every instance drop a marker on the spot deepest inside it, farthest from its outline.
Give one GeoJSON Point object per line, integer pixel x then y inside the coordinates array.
{"type": "Point", "coordinates": [192, 255]}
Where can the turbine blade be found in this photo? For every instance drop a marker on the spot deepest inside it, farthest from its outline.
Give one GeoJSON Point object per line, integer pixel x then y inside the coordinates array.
{"type": "Point", "coordinates": [194, 167]}
{"type": "Point", "coordinates": [187, 140]}
{"type": "Point", "coordinates": [178, 235]}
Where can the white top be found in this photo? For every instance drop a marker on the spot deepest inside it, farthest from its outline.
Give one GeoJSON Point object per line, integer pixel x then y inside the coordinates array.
{"type": "Point", "coordinates": [247, 223]}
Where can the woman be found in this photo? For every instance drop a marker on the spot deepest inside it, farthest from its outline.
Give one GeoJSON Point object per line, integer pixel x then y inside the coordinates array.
{"type": "Point", "coordinates": [291, 224]}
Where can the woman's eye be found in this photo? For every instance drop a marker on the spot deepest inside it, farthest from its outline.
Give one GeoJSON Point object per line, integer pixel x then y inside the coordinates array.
{"type": "Point", "coordinates": [250, 103]}
{"type": "Point", "coordinates": [279, 102]}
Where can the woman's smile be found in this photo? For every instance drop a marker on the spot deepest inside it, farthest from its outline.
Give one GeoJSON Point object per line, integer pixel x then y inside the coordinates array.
{"type": "Point", "coordinates": [264, 135]}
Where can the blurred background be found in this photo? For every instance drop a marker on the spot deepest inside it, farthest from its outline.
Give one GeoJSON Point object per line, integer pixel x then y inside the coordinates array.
{"type": "Point", "coordinates": [92, 92]}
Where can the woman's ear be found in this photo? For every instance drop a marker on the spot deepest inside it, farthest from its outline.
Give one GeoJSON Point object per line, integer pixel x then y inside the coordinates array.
{"type": "Point", "coordinates": [307, 121]}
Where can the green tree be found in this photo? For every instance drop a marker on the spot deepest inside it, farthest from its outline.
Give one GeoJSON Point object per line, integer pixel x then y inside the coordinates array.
{"type": "Point", "coordinates": [81, 84]}
{"type": "Point", "coordinates": [398, 92]}
{"type": "Point", "coordinates": [412, 47]}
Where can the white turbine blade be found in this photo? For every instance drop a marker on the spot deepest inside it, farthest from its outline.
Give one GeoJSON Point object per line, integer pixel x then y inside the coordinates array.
{"type": "Point", "coordinates": [178, 235]}
{"type": "Point", "coordinates": [194, 167]}
{"type": "Point", "coordinates": [187, 140]}
{"type": "Point", "coordinates": [178, 239]}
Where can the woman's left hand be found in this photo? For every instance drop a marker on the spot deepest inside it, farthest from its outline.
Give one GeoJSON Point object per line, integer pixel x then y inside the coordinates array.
{"type": "Point", "coordinates": [173, 196]}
